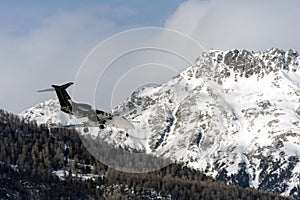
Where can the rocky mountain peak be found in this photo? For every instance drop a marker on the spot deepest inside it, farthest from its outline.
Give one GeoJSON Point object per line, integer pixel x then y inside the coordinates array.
{"type": "Point", "coordinates": [219, 65]}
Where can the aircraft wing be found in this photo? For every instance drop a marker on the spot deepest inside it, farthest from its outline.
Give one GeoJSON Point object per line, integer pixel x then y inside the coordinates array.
{"type": "Point", "coordinates": [65, 126]}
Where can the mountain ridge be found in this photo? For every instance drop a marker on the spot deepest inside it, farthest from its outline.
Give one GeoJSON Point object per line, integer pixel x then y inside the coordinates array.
{"type": "Point", "coordinates": [233, 115]}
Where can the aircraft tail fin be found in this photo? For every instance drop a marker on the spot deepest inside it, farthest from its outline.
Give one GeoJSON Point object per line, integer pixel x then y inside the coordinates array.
{"type": "Point", "coordinates": [63, 97]}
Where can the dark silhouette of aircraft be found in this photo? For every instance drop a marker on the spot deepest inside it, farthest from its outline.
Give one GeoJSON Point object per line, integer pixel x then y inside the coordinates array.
{"type": "Point", "coordinates": [85, 113]}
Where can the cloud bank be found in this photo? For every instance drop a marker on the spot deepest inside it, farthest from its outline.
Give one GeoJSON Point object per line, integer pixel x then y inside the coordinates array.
{"type": "Point", "coordinates": [51, 51]}
{"type": "Point", "coordinates": [228, 24]}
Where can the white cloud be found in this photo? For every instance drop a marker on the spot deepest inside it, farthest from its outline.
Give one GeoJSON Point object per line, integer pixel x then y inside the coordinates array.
{"type": "Point", "coordinates": [49, 53]}
{"type": "Point", "coordinates": [227, 24]}
{"type": "Point", "coordinates": [52, 47]}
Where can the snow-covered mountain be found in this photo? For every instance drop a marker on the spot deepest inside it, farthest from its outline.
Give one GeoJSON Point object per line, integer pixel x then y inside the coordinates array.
{"type": "Point", "coordinates": [234, 115]}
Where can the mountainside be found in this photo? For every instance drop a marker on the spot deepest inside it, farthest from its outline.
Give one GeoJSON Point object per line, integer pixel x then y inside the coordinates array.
{"type": "Point", "coordinates": [38, 164]}
{"type": "Point", "coordinates": [233, 115]}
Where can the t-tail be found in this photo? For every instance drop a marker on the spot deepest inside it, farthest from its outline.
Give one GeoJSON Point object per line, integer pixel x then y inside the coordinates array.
{"type": "Point", "coordinates": [63, 97]}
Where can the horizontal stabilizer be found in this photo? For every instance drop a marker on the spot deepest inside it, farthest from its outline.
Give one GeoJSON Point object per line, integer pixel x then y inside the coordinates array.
{"type": "Point", "coordinates": [62, 87]}
{"type": "Point", "coordinates": [47, 90]}
{"type": "Point", "coordinates": [65, 126]}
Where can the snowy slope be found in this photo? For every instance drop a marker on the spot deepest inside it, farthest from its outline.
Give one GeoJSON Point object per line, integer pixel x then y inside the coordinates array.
{"type": "Point", "coordinates": [234, 115]}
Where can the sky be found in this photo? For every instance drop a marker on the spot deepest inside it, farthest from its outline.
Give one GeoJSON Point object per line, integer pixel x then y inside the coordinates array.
{"type": "Point", "coordinates": [47, 42]}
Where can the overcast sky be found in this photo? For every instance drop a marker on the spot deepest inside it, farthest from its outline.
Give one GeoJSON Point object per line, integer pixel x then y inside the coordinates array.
{"type": "Point", "coordinates": [42, 43]}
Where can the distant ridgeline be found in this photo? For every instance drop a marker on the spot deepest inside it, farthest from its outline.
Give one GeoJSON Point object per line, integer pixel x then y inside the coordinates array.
{"type": "Point", "coordinates": [34, 163]}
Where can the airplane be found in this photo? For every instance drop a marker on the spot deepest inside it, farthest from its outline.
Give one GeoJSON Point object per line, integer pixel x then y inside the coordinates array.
{"type": "Point", "coordinates": [85, 113]}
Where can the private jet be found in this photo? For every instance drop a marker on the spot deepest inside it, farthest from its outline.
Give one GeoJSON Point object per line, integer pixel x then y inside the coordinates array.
{"type": "Point", "coordinates": [88, 116]}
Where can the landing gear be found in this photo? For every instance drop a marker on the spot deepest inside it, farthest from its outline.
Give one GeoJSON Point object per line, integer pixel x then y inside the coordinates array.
{"type": "Point", "coordinates": [101, 126]}
{"type": "Point", "coordinates": [86, 129]}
